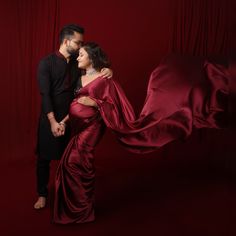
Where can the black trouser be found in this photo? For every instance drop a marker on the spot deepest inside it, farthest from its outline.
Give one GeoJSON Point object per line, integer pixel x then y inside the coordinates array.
{"type": "Point", "coordinates": [42, 174]}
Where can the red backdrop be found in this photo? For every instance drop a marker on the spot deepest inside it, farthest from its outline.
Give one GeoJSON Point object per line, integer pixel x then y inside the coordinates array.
{"type": "Point", "coordinates": [136, 35]}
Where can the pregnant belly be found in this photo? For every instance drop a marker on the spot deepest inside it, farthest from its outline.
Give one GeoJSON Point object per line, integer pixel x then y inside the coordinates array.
{"type": "Point", "coordinates": [81, 111]}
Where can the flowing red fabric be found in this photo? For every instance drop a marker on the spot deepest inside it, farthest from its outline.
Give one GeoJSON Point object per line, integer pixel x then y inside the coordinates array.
{"type": "Point", "coordinates": [183, 93]}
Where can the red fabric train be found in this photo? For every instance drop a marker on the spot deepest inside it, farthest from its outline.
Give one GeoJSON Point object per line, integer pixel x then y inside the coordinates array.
{"type": "Point", "coordinates": [183, 93]}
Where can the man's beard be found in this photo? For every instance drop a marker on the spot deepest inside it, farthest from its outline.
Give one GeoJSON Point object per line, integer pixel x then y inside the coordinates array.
{"type": "Point", "coordinates": [73, 53]}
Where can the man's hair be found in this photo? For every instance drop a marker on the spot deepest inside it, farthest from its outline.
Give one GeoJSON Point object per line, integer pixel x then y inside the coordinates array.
{"type": "Point", "coordinates": [68, 30]}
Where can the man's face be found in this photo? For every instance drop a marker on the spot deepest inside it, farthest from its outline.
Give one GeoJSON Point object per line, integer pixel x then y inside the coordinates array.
{"type": "Point", "coordinates": [74, 44]}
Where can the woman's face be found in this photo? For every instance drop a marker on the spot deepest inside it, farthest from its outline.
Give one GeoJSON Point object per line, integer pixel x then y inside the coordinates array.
{"type": "Point", "coordinates": [83, 59]}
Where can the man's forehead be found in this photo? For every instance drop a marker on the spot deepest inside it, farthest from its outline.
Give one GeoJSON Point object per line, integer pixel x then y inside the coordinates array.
{"type": "Point", "coordinates": [78, 35]}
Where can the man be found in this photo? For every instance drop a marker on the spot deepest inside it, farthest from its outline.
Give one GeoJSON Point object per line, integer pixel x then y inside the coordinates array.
{"type": "Point", "coordinates": [57, 78]}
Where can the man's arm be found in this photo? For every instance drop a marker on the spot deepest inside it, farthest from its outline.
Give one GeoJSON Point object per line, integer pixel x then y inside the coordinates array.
{"type": "Point", "coordinates": [44, 87]}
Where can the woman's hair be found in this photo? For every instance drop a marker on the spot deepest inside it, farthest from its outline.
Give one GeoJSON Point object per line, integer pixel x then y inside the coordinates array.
{"type": "Point", "coordinates": [97, 56]}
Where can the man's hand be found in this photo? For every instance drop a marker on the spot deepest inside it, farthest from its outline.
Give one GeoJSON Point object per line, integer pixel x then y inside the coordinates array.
{"type": "Point", "coordinates": [57, 129]}
{"type": "Point", "coordinates": [87, 101]}
{"type": "Point", "coordinates": [106, 73]}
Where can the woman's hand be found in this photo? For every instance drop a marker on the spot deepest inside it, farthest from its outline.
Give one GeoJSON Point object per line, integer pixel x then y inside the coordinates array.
{"type": "Point", "coordinates": [87, 101]}
{"type": "Point", "coordinates": [57, 129]}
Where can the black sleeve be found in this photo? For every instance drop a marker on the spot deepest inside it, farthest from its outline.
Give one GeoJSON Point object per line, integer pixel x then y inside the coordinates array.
{"type": "Point", "coordinates": [44, 82]}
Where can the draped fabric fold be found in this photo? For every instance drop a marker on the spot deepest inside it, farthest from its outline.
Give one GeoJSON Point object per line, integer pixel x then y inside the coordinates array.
{"type": "Point", "coordinates": [183, 93]}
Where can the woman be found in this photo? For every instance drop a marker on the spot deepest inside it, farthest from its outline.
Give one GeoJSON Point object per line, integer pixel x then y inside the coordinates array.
{"type": "Point", "coordinates": [76, 169]}
{"type": "Point", "coordinates": [182, 94]}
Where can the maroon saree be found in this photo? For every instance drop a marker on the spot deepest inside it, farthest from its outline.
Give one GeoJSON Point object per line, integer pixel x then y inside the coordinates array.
{"type": "Point", "coordinates": [182, 93]}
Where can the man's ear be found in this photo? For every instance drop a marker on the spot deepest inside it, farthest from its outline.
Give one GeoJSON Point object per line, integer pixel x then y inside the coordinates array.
{"type": "Point", "coordinates": [66, 41]}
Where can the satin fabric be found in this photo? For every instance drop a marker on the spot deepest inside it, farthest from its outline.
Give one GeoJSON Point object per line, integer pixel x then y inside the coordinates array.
{"type": "Point", "coordinates": [74, 188]}
{"type": "Point", "coordinates": [182, 93]}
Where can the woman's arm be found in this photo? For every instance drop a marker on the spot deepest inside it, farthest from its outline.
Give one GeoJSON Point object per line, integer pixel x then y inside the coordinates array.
{"type": "Point", "coordinates": [87, 101]}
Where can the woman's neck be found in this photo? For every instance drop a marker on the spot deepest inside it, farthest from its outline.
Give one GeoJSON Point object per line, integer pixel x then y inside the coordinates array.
{"type": "Point", "coordinates": [90, 72]}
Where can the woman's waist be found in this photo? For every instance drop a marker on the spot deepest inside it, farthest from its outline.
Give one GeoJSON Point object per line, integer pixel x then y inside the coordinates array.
{"type": "Point", "coordinates": [82, 111]}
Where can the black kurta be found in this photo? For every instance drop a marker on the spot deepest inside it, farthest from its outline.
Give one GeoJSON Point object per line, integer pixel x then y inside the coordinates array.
{"type": "Point", "coordinates": [57, 81]}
